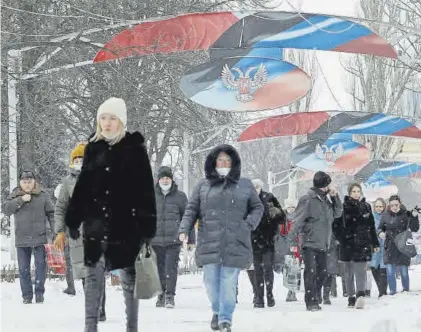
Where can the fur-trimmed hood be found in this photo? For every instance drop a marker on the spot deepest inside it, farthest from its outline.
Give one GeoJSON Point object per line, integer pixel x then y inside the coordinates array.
{"type": "Point", "coordinates": [210, 164]}
{"type": "Point", "coordinates": [19, 192]}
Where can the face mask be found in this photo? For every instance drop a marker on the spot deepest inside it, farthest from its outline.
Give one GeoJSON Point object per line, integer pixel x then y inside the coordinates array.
{"type": "Point", "coordinates": [77, 167]}
{"type": "Point", "coordinates": [165, 187]}
{"type": "Point", "coordinates": [223, 171]}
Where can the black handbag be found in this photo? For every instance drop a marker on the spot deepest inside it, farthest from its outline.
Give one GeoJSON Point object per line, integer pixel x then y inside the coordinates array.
{"type": "Point", "coordinates": [405, 243]}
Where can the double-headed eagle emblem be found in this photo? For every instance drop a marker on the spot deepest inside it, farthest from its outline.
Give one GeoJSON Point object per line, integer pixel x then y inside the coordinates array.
{"type": "Point", "coordinates": [329, 155]}
{"type": "Point", "coordinates": [244, 84]}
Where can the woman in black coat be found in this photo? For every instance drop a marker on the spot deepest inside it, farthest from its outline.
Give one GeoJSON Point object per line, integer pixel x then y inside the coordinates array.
{"type": "Point", "coordinates": [395, 220]}
{"type": "Point", "coordinates": [357, 238]}
{"type": "Point", "coordinates": [114, 200]}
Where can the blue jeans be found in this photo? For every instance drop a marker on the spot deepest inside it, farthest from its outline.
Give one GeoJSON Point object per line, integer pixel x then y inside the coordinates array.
{"type": "Point", "coordinates": [221, 285]}
{"type": "Point", "coordinates": [24, 263]}
{"type": "Point", "coordinates": [391, 277]}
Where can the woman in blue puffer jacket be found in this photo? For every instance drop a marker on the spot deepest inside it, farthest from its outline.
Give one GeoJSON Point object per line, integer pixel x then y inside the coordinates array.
{"type": "Point", "coordinates": [378, 268]}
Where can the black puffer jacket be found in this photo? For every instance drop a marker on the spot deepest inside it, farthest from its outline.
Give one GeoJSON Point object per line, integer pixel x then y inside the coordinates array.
{"type": "Point", "coordinates": [356, 231]}
{"type": "Point", "coordinates": [392, 224]}
{"type": "Point", "coordinates": [263, 236]}
{"type": "Point", "coordinates": [170, 209]}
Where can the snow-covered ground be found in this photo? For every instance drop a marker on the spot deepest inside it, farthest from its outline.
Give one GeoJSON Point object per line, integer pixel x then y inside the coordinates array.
{"type": "Point", "coordinates": [63, 313]}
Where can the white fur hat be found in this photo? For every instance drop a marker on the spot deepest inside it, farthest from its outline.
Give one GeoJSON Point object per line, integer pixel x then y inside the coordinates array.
{"type": "Point", "coordinates": [114, 106]}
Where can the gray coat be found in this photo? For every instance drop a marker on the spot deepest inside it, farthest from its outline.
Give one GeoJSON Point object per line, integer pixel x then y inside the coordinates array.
{"type": "Point", "coordinates": [314, 216]}
{"type": "Point", "coordinates": [228, 210]}
{"type": "Point", "coordinates": [30, 217]}
{"type": "Point", "coordinates": [169, 209]}
{"type": "Point", "coordinates": [75, 246]}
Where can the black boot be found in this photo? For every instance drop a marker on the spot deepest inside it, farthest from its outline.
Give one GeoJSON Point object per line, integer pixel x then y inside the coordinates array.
{"type": "Point", "coordinates": [367, 293]}
{"type": "Point", "coordinates": [383, 282]}
{"type": "Point", "coordinates": [260, 303]}
{"type": "Point", "coordinates": [70, 291]}
{"type": "Point", "coordinates": [270, 299]}
{"type": "Point", "coordinates": [326, 293]}
{"type": "Point", "coordinates": [351, 302]}
{"type": "Point", "coordinates": [160, 303]}
{"type": "Point", "coordinates": [214, 323]}
{"type": "Point", "coordinates": [169, 301]}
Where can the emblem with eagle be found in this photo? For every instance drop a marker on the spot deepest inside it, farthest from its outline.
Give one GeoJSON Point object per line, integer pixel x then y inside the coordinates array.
{"type": "Point", "coordinates": [244, 84]}
{"type": "Point", "coordinates": [328, 154]}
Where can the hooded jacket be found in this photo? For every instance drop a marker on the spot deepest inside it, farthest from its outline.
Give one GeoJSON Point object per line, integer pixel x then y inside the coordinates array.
{"type": "Point", "coordinates": [170, 209]}
{"type": "Point", "coordinates": [229, 209]}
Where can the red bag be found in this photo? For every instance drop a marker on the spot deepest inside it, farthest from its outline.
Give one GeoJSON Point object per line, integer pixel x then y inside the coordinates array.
{"type": "Point", "coordinates": [55, 259]}
{"type": "Point", "coordinates": [285, 230]}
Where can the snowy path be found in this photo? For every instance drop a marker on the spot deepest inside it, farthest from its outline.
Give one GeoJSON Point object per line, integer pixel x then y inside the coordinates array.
{"type": "Point", "coordinates": [63, 313]}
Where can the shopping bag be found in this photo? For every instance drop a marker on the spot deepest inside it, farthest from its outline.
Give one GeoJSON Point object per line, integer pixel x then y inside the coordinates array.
{"type": "Point", "coordinates": [292, 273]}
{"type": "Point", "coordinates": [55, 259]}
{"type": "Point", "coordinates": [147, 283]}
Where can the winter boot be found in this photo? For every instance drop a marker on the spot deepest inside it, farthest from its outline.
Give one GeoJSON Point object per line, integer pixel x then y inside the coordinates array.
{"type": "Point", "coordinates": [351, 302]}
{"type": "Point", "coordinates": [291, 296]}
{"type": "Point", "coordinates": [360, 302]}
{"type": "Point", "coordinates": [313, 307]}
{"type": "Point", "coordinates": [367, 293]}
{"type": "Point", "coordinates": [225, 327]}
{"type": "Point", "coordinates": [160, 302]}
{"type": "Point", "coordinates": [39, 298]}
{"type": "Point", "coordinates": [270, 300]}
{"type": "Point", "coordinates": [27, 301]}
{"type": "Point", "coordinates": [326, 293]}
{"type": "Point", "coordinates": [383, 282]}
{"type": "Point", "coordinates": [214, 323]}
{"type": "Point", "coordinates": [70, 291]}
{"type": "Point", "coordinates": [169, 301]}
{"type": "Point", "coordinates": [259, 303]}
{"type": "Point", "coordinates": [102, 315]}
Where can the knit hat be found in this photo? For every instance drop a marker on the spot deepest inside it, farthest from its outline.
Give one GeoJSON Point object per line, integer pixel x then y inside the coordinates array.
{"type": "Point", "coordinates": [321, 180]}
{"type": "Point", "coordinates": [26, 175]}
{"type": "Point", "coordinates": [77, 152]}
{"type": "Point", "coordinates": [165, 171]}
{"type": "Point", "coordinates": [114, 106]}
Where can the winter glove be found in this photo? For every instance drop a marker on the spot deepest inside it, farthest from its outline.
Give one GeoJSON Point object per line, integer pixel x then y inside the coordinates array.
{"type": "Point", "coordinates": [382, 235]}
{"type": "Point", "coordinates": [59, 241]}
{"type": "Point", "coordinates": [74, 233]}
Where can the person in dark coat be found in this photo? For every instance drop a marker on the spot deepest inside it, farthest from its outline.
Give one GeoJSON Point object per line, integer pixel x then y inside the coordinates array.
{"type": "Point", "coordinates": [114, 200]}
{"type": "Point", "coordinates": [314, 216]}
{"type": "Point", "coordinates": [31, 207]}
{"type": "Point", "coordinates": [170, 206]}
{"type": "Point", "coordinates": [394, 221]}
{"type": "Point", "coordinates": [263, 248]}
{"type": "Point", "coordinates": [229, 209]}
{"type": "Point", "coordinates": [357, 238]}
